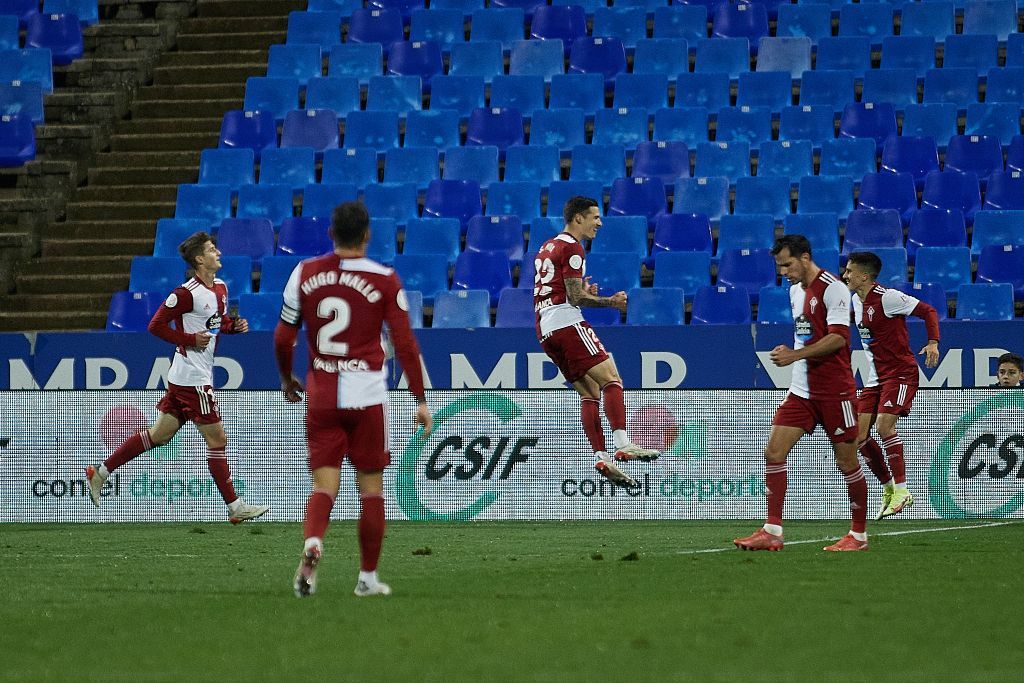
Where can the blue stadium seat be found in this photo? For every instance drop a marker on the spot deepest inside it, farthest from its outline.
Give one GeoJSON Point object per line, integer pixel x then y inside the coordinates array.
{"type": "Point", "coordinates": [558, 22]}
{"type": "Point", "coordinates": [1005, 84]}
{"type": "Point", "coordinates": [720, 305]}
{"type": "Point", "coordinates": [790, 54]}
{"type": "Point", "coordinates": [240, 129]}
{"type": "Point", "coordinates": [896, 86]}
{"type": "Point", "coordinates": [934, 20]}
{"type": "Point", "coordinates": [872, 228]}
{"type": "Point", "coordinates": [59, 33]}
{"type": "Point", "coordinates": [985, 301]}
{"type": "Point", "coordinates": [305, 236]}
{"type": "Point", "coordinates": [728, 159]}
{"type": "Point", "coordinates": [787, 159]}
{"type": "Point", "coordinates": [30, 64]}
{"type": "Point", "coordinates": [527, 272]}
{"type": "Point", "coordinates": [622, 233]}
{"type": "Point", "coordinates": [433, 236]}
{"type": "Point", "coordinates": [440, 26]}
{"type": "Point", "coordinates": [765, 89]}
{"type": "Point", "coordinates": [496, 233]}
{"type": "Point", "coordinates": [999, 120]}
{"type": "Point", "coordinates": [641, 91]}
{"type": "Point", "coordinates": [909, 52]}
{"type": "Point", "coordinates": [479, 163]}
{"type": "Point", "coordinates": [826, 88]}
{"type": "Point", "coordinates": [560, 191]}
{"type": "Point", "coordinates": [453, 199]}
{"type": "Point", "coordinates": [894, 264]}
{"type": "Point", "coordinates": [848, 156]}
{"type": "Point", "coordinates": [252, 237]}
{"type": "Point", "coordinates": [405, 7]}
{"type": "Point", "coordinates": [233, 167]}
{"type": "Point", "coordinates": [997, 228]}
{"type": "Point", "coordinates": [522, 93]}
{"type": "Point", "coordinates": [1015, 154]}
{"type": "Point", "coordinates": [291, 166]}
{"type": "Point", "coordinates": [24, 98]}
{"type": "Point", "coordinates": [211, 203]}
{"type": "Point", "coordinates": [155, 274]}
{"type": "Point", "coordinates": [299, 61]}
{"type": "Point", "coordinates": [419, 58]}
{"type": "Point", "coordinates": [483, 60]}
{"type": "Point", "coordinates": [602, 317]}
{"type": "Point", "coordinates": [22, 9]}
{"type": "Point", "coordinates": [532, 163]}
{"type": "Point", "coordinates": [1002, 263]}
{"type": "Point", "coordinates": [499, 24]}
{"type": "Point", "coordinates": [614, 271]}
{"type": "Point", "coordinates": [628, 24]}
{"type": "Point", "coordinates": [262, 311]}
{"type": "Point", "coordinates": [928, 292]}
{"type": "Point", "coordinates": [709, 90]}
{"type": "Point", "coordinates": [668, 56]}
{"type": "Point", "coordinates": [396, 94]}
{"type": "Point", "coordinates": [311, 128]}
{"type": "Point", "coordinates": [541, 230]}
{"type": "Point", "coordinates": [131, 311]}
{"type": "Point", "coordinates": [1005, 190]}
{"type": "Point", "coordinates": [814, 123]}
{"type": "Point", "coordinates": [681, 232]}
{"type": "Point", "coordinates": [949, 84]}
{"type": "Point", "coordinates": [462, 309]}
{"type": "Point", "coordinates": [276, 95]}
{"type": "Point", "coordinates": [416, 165]}
{"type": "Point", "coordinates": [870, 20]}
{"type": "Point", "coordinates": [825, 194]}
{"type": "Point", "coordinates": [603, 163]}
{"type": "Point", "coordinates": [376, 25]}
{"type": "Point", "coordinates": [271, 201]}
{"type": "Point", "coordinates": [908, 154]}
{"type": "Point", "coordinates": [665, 160]}
{"type": "Point", "coordinates": [425, 273]}
{"type": "Point", "coordinates": [170, 232]}
{"type": "Point", "coordinates": [597, 55]}
{"type": "Point", "coordinates": [9, 38]}
{"type": "Point", "coordinates": [821, 229]}
{"type": "Point", "coordinates": [438, 128]}
{"type": "Point", "coordinates": [723, 55]}
{"type": "Point", "coordinates": [577, 91]}
{"type": "Point", "coordinates": [487, 270]}
{"type": "Point", "coordinates": [656, 306]}
{"type": "Point", "coordinates": [741, 20]}
{"type": "Point", "coordinates": [515, 309]}
{"type": "Point", "coordinates": [948, 267]}
{"type": "Point", "coordinates": [638, 197]}
{"type": "Point", "coordinates": [87, 11]}
{"type": "Point", "coordinates": [873, 120]}
{"type": "Point", "coordinates": [377, 130]}
{"type": "Point", "coordinates": [361, 61]}
{"type": "Point", "coordinates": [702, 194]}
{"type": "Point", "coordinates": [978, 52]}
{"type": "Point", "coordinates": [935, 228]}
{"type": "Point", "coordinates": [763, 195]}
{"type": "Point", "coordinates": [415, 301]}
{"type": "Point", "coordinates": [813, 21]}
{"type": "Point", "coordinates": [495, 126]}
{"type": "Point", "coordinates": [997, 17]}
{"type": "Point", "coordinates": [978, 154]}
{"type": "Point", "coordinates": [527, 6]}
{"type": "Point", "coordinates": [340, 94]}
{"type": "Point", "coordinates": [936, 120]}
{"type": "Point", "coordinates": [687, 270]}
{"type": "Point", "coordinates": [383, 244]}
{"type": "Point", "coordinates": [749, 269]}
{"type": "Point", "coordinates": [397, 201]}
{"type": "Point", "coordinates": [626, 127]}
{"type": "Point", "coordinates": [773, 305]}
{"type": "Point", "coordinates": [357, 167]}
{"type": "Point", "coordinates": [681, 21]}
{"type": "Point", "coordinates": [844, 52]}
{"type": "Point", "coordinates": [275, 271]}
{"type": "Point", "coordinates": [687, 125]}
{"type": "Point", "coordinates": [319, 28]}
{"type": "Point", "coordinates": [461, 94]}
{"type": "Point", "coordinates": [889, 191]}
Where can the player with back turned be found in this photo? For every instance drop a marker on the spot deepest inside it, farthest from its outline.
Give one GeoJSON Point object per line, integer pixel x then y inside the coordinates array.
{"type": "Point", "coordinates": [892, 378]}
{"type": "Point", "coordinates": [344, 300]}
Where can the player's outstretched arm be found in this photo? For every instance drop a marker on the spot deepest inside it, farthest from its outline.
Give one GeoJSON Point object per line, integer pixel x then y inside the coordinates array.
{"type": "Point", "coordinates": [585, 296]}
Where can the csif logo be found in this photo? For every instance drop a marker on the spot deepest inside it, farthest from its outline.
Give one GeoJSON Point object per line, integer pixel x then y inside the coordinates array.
{"type": "Point", "coordinates": [992, 455]}
{"type": "Point", "coordinates": [485, 456]}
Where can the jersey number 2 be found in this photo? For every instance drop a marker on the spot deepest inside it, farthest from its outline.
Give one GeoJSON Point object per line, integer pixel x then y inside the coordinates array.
{"type": "Point", "coordinates": [340, 316]}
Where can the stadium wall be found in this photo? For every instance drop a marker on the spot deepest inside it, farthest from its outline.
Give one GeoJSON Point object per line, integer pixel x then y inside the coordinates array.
{"type": "Point", "coordinates": [501, 455]}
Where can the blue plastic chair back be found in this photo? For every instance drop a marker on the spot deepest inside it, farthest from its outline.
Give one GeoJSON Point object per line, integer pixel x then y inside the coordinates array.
{"type": "Point", "coordinates": [720, 305]}
{"type": "Point", "coordinates": [304, 236]}
{"type": "Point", "coordinates": [252, 237]}
{"type": "Point", "coordinates": [255, 130]}
{"type": "Point", "coordinates": [655, 306]}
{"type": "Point", "coordinates": [132, 311]}
{"type": "Point", "coordinates": [462, 309]}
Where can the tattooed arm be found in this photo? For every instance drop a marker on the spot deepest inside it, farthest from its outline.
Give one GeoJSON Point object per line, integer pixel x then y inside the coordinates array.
{"type": "Point", "coordinates": [581, 296]}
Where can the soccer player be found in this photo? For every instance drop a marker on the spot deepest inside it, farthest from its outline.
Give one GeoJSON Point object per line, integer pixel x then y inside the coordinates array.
{"type": "Point", "coordinates": [1010, 370]}
{"type": "Point", "coordinates": [822, 392]}
{"type": "Point", "coordinates": [891, 382]}
{"type": "Point", "coordinates": [560, 289]}
{"type": "Point", "coordinates": [198, 309]}
{"type": "Point", "coordinates": [345, 299]}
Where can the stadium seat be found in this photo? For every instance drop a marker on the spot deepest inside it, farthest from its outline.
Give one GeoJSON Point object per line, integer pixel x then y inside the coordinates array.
{"type": "Point", "coordinates": [1005, 190]}
{"type": "Point", "coordinates": [872, 120]}
{"type": "Point", "coordinates": [655, 306]}
{"type": "Point", "coordinates": [59, 33]}
{"type": "Point", "coordinates": [87, 11]}
{"type": "Point", "coordinates": [998, 120]}
{"type": "Point", "coordinates": [997, 17]}
{"type": "Point", "coordinates": [1015, 154]}
{"type": "Point", "coordinates": [889, 191]}
{"type": "Point", "coordinates": [603, 163]}
{"type": "Point", "coordinates": [315, 28]}
{"type": "Point", "coordinates": [894, 264]}
{"type": "Point", "coordinates": [415, 301]}
{"type": "Point", "coordinates": [522, 93]}
{"type": "Point", "coordinates": [628, 24]}
{"type": "Point", "coordinates": [763, 195]}
{"type": "Point", "coordinates": [914, 155]}
{"type": "Point", "coordinates": [416, 165]}
{"type": "Point", "coordinates": [666, 161]}
{"type": "Point", "coordinates": [598, 55]}
{"type": "Point", "coordinates": [236, 272]}
{"type": "Point", "coordinates": [375, 25]}
{"type": "Point", "coordinates": [232, 167]}
{"type": "Point", "coordinates": [997, 228]}
{"type": "Point", "coordinates": [687, 125]}
{"type": "Point", "coordinates": [787, 159]}
{"type": "Point", "coordinates": [275, 271]}
{"type": "Point", "coordinates": [806, 122]}
{"type": "Point", "coordinates": [614, 271]}
{"type": "Point", "coordinates": [9, 38]}
{"type": "Point", "coordinates": [22, 9]}
{"type": "Point", "coordinates": [541, 230]}
{"type": "Point", "coordinates": [813, 21]}
{"type": "Point", "coordinates": [558, 22]}
{"type": "Point", "coordinates": [681, 232]}
{"type": "Point", "coordinates": [870, 20]}
{"type": "Point", "coordinates": [560, 129]}
{"type": "Point", "coordinates": [750, 125]}
{"type": "Point", "coordinates": [467, 308]}
{"type": "Point", "coordinates": [240, 129]}
{"type": "Point", "coordinates": [377, 130]}
{"type": "Point", "coordinates": [271, 201]}
{"type": "Point", "coordinates": [638, 196]}
{"type": "Point", "coordinates": [602, 317]}
{"type": "Point", "coordinates": [527, 6]}
{"type": "Point", "coordinates": [426, 273]}
{"type": "Point", "coordinates": [909, 52]}
{"type": "Point", "coordinates": [313, 128]}
{"type": "Point", "coordinates": [789, 54]}
{"type": "Point", "coordinates": [668, 56]}
{"type": "Point", "coordinates": [305, 236]}
{"type": "Point", "coordinates": [702, 194]}
{"type": "Point", "coordinates": [622, 234]}
{"type": "Point", "coordinates": [262, 310]}
{"type": "Point", "coordinates": [949, 84]}
{"type": "Point", "coordinates": [357, 167]}
{"type": "Point", "coordinates": [720, 305]}
{"type": "Point", "coordinates": [156, 274]}
{"type": "Point", "coordinates": [383, 244]}
{"type": "Point", "coordinates": [516, 197]}
{"type": "Point", "coordinates": [844, 52]}
{"type": "Point", "coordinates": [978, 154]}
{"type": "Point", "coordinates": [461, 94]}
{"type": "Point", "coordinates": [527, 272]}
{"type": "Point", "coordinates": [749, 21]}
{"type": "Point", "coordinates": [751, 231]}
{"type": "Point", "coordinates": [934, 20]}
{"type": "Point", "coordinates": [496, 233]}
{"type": "Point", "coordinates": [681, 21]}
{"type": "Point", "coordinates": [291, 166]}
{"type": "Point", "coordinates": [252, 237]}
{"type": "Point", "coordinates": [1005, 84]}
{"type": "Point", "coordinates": [895, 86]}
{"type": "Point", "coordinates": [948, 267]}
{"type": "Point", "coordinates": [577, 91]}
{"type": "Point", "coordinates": [437, 128]}
{"type": "Point", "coordinates": [495, 126]}
{"type": "Point", "coordinates": [453, 199]}
{"type": "Point", "coordinates": [478, 163]}
{"type": "Point", "coordinates": [773, 305]}
{"type": "Point", "coordinates": [826, 88]}
{"type": "Point", "coordinates": [276, 95]}
{"type": "Point", "coordinates": [825, 194]}
{"type": "Point", "coordinates": [686, 270]}
{"type": "Point", "coordinates": [405, 7]}
{"type": "Point", "coordinates": [749, 269]}
{"type": "Point", "coordinates": [765, 89]}
{"type": "Point", "coordinates": [935, 228]}
{"type": "Point", "coordinates": [395, 94]}
{"type": "Point", "coordinates": [24, 98]}
{"type": "Point", "coordinates": [170, 232]}
{"type": "Point", "coordinates": [497, 24]}
{"type": "Point", "coordinates": [709, 90]}
{"type": "Point", "coordinates": [30, 64]}
{"type": "Point", "coordinates": [419, 58]}
{"type": "Point", "coordinates": [515, 308]}
{"type": "Point", "coordinates": [340, 94]}
{"type": "Point", "coordinates": [132, 311]}
{"type": "Point", "coordinates": [928, 292]}
{"type": "Point", "coordinates": [560, 191]}
{"type": "Point", "coordinates": [626, 127]}
{"type": "Point", "coordinates": [641, 91]}
{"type": "Point", "coordinates": [481, 60]}
{"type": "Point", "coordinates": [397, 201]}
{"type": "Point", "coordinates": [870, 228]}
{"type": "Point", "coordinates": [848, 156]}
{"type": "Point", "coordinates": [487, 270]}
{"type": "Point", "coordinates": [727, 159]}
{"type": "Point", "coordinates": [821, 229]}
{"type": "Point", "coordinates": [433, 236]}
{"type": "Point", "coordinates": [440, 26]}
{"type": "Point", "coordinates": [302, 62]}
{"type": "Point", "coordinates": [936, 120]}
{"type": "Point", "coordinates": [1002, 263]}
{"type": "Point", "coordinates": [723, 55]}
{"type": "Point", "coordinates": [211, 203]}
{"type": "Point", "coordinates": [985, 301]}
{"type": "Point", "coordinates": [978, 52]}
{"type": "Point", "coordinates": [361, 61]}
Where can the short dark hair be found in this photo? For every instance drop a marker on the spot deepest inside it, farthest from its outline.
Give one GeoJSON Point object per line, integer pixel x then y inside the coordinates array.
{"type": "Point", "coordinates": [193, 246]}
{"type": "Point", "coordinates": [867, 261]}
{"type": "Point", "coordinates": [575, 205]}
{"type": "Point", "coordinates": [349, 224]}
{"type": "Point", "coordinates": [1012, 358]}
{"type": "Point", "coordinates": [798, 245]}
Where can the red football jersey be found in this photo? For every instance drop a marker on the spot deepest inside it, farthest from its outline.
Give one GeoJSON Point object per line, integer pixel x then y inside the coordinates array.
{"type": "Point", "coordinates": [821, 308]}
{"type": "Point", "coordinates": [560, 258]}
{"type": "Point", "coordinates": [344, 304]}
{"type": "Point", "coordinates": [882, 323]}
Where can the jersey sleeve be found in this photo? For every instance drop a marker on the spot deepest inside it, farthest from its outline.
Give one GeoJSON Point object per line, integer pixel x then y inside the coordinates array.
{"type": "Point", "coordinates": [396, 314]}
{"type": "Point", "coordinates": [291, 308]}
{"type": "Point", "coordinates": [177, 303]}
{"type": "Point", "coordinates": [895, 302]}
{"type": "Point", "coordinates": [837, 304]}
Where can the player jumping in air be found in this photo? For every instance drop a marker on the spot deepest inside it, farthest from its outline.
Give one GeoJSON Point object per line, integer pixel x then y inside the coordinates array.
{"type": "Point", "coordinates": [344, 300]}
{"type": "Point", "coordinates": [892, 378]}
{"type": "Point", "coordinates": [198, 309]}
{"type": "Point", "coordinates": [560, 289]}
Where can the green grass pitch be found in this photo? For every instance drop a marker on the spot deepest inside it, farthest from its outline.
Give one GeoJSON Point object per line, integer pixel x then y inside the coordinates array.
{"type": "Point", "coordinates": [499, 601]}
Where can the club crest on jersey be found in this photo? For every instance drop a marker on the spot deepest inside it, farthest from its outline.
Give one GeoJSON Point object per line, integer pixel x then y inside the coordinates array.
{"type": "Point", "coordinates": [813, 303]}
{"type": "Point", "coordinates": [871, 313]}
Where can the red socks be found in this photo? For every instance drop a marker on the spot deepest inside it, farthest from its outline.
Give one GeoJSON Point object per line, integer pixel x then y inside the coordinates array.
{"type": "Point", "coordinates": [217, 462]}
{"type": "Point", "coordinates": [590, 416]}
{"type": "Point", "coordinates": [872, 453]}
{"type": "Point", "coordinates": [318, 514]}
{"type": "Point", "coordinates": [857, 487]}
{"type": "Point", "coordinates": [614, 405]}
{"type": "Point", "coordinates": [775, 480]}
{"type": "Point", "coordinates": [894, 450]}
{"type": "Point", "coordinates": [371, 531]}
{"type": "Point", "coordinates": [133, 447]}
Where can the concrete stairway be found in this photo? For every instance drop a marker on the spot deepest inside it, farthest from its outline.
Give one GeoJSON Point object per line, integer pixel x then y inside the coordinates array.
{"type": "Point", "coordinates": [86, 253]}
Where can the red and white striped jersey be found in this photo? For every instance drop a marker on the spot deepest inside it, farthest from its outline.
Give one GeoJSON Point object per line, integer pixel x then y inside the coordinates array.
{"type": "Point", "coordinates": [561, 257]}
{"type": "Point", "coordinates": [192, 307]}
{"type": "Point", "coordinates": [818, 310]}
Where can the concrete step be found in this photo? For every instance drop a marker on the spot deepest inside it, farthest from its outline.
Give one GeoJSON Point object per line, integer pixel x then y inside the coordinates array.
{"type": "Point", "coordinates": [214, 57]}
{"type": "Point", "coordinates": [183, 75]}
{"type": "Point", "coordinates": [123, 210]}
{"type": "Point", "coordinates": [124, 175]}
{"type": "Point", "coordinates": [191, 91]}
{"type": "Point", "coordinates": [140, 229]}
{"type": "Point", "coordinates": [71, 284]}
{"type": "Point", "coordinates": [234, 24]}
{"type": "Point", "coordinates": [229, 40]}
{"type": "Point", "coordinates": [171, 142]}
{"type": "Point", "coordinates": [115, 193]}
{"type": "Point", "coordinates": [147, 126]}
{"type": "Point", "coordinates": [64, 321]}
{"type": "Point", "coordinates": [178, 109]}
{"type": "Point", "coordinates": [250, 8]}
{"type": "Point", "coordinates": [110, 246]}
{"type": "Point", "coordinates": [77, 265]}
{"type": "Point", "coordinates": [148, 159]}
{"type": "Point", "coordinates": [47, 303]}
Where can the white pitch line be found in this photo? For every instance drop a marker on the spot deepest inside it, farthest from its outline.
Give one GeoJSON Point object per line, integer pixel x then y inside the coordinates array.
{"type": "Point", "coordinates": [79, 556]}
{"type": "Point", "coordinates": [881, 533]}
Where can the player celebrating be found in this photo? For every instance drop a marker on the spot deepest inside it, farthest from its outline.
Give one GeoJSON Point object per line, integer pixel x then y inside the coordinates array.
{"type": "Point", "coordinates": [891, 382]}
{"type": "Point", "coordinates": [821, 392]}
{"type": "Point", "coordinates": [198, 309]}
{"type": "Point", "coordinates": [560, 289]}
{"type": "Point", "coordinates": [345, 299]}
